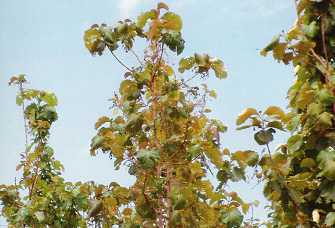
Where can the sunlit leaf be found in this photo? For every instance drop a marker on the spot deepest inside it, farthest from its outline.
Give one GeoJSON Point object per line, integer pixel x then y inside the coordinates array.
{"type": "Point", "coordinates": [169, 16]}
{"type": "Point", "coordinates": [101, 121]}
{"type": "Point", "coordinates": [274, 42]}
{"type": "Point", "coordinates": [243, 116]}
{"type": "Point", "coordinates": [276, 111]}
{"type": "Point", "coordinates": [144, 17]}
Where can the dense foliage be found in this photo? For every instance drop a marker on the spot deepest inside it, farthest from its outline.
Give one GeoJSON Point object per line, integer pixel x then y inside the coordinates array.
{"type": "Point", "coordinates": [159, 131]}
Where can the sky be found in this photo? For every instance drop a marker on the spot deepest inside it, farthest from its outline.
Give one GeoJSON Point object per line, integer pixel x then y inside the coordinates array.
{"type": "Point", "coordinates": [44, 40]}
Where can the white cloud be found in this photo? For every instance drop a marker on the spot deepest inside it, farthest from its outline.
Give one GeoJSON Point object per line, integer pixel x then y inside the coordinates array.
{"type": "Point", "coordinates": [127, 6]}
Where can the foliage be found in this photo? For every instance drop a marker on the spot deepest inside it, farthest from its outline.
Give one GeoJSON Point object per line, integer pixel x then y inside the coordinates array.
{"type": "Point", "coordinates": [49, 201]}
{"type": "Point", "coordinates": [160, 130]}
{"type": "Point", "coordinates": [300, 174]}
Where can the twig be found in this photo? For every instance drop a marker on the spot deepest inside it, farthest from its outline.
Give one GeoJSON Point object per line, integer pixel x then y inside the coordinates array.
{"type": "Point", "coordinates": [119, 60]}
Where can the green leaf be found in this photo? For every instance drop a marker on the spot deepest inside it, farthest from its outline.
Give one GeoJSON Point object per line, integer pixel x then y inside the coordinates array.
{"type": "Point", "coordinates": [294, 143]}
{"type": "Point", "coordinates": [186, 64]}
{"type": "Point", "coordinates": [326, 160]}
{"type": "Point", "coordinates": [39, 215]}
{"type": "Point", "coordinates": [330, 219]}
{"type": "Point", "coordinates": [274, 42]}
{"type": "Point", "coordinates": [144, 17]}
{"type": "Point", "coordinates": [252, 158]}
{"type": "Point", "coordinates": [325, 119]}
{"type": "Point", "coordinates": [314, 109]}
{"type": "Point", "coordinates": [148, 158]}
{"type": "Point", "coordinates": [312, 29]}
{"type": "Point", "coordinates": [325, 96]}
{"type": "Point", "coordinates": [236, 174]}
{"type": "Point", "coordinates": [97, 142]}
{"type": "Point", "coordinates": [50, 98]}
{"type": "Point", "coordinates": [231, 217]}
{"type": "Point", "coordinates": [93, 41]}
{"type": "Point", "coordinates": [180, 202]}
{"type": "Point", "coordinates": [263, 137]}
{"type": "Point", "coordinates": [193, 151]}
{"type": "Point", "coordinates": [328, 191]}
{"type": "Point", "coordinates": [243, 116]}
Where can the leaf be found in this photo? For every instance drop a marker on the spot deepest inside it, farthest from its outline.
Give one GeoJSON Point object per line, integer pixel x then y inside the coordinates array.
{"type": "Point", "coordinates": [95, 209]}
{"type": "Point", "coordinates": [186, 64]}
{"type": "Point", "coordinates": [305, 97]}
{"type": "Point", "coordinates": [274, 42]}
{"type": "Point", "coordinates": [101, 121]}
{"type": "Point", "coordinates": [148, 158]}
{"type": "Point", "coordinates": [50, 98]}
{"type": "Point", "coordinates": [330, 219]}
{"type": "Point", "coordinates": [263, 137]}
{"type": "Point", "coordinates": [215, 156]}
{"type": "Point", "coordinates": [325, 119]}
{"type": "Point", "coordinates": [312, 29]}
{"type": "Point", "coordinates": [325, 97]}
{"type": "Point", "coordinates": [243, 116]}
{"type": "Point", "coordinates": [93, 41]}
{"type": "Point", "coordinates": [294, 143]}
{"type": "Point", "coordinates": [162, 6]}
{"type": "Point", "coordinates": [219, 69]}
{"type": "Point", "coordinates": [276, 111]}
{"type": "Point", "coordinates": [97, 142]}
{"type": "Point", "coordinates": [175, 219]}
{"type": "Point", "coordinates": [302, 5]}
{"type": "Point", "coordinates": [231, 217]}
{"type": "Point", "coordinates": [252, 158]}
{"type": "Point", "coordinates": [169, 16]}
{"type": "Point", "coordinates": [328, 191]}
{"type": "Point", "coordinates": [39, 215]}
{"type": "Point", "coordinates": [314, 109]}
{"type": "Point", "coordinates": [279, 51]}
{"type": "Point", "coordinates": [180, 202]}
{"type": "Point", "coordinates": [144, 17]}
{"type": "Point", "coordinates": [236, 174]}
{"type": "Point", "coordinates": [326, 160]}
{"type": "Point", "coordinates": [308, 163]}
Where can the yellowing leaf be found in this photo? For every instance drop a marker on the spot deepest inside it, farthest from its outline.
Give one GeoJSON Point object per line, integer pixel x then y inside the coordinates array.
{"type": "Point", "coordinates": [308, 162]}
{"type": "Point", "coordinates": [243, 116]}
{"type": "Point", "coordinates": [169, 16]}
{"type": "Point", "coordinates": [162, 6]}
{"type": "Point", "coordinates": [274, 110]}
{"type": "Point", "coordinates": [101, 121]}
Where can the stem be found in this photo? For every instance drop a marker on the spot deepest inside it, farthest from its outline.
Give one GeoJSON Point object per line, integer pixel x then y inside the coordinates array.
{"type": "Point", "coordinates": [119, 60]}
{"type": "Point", "coordinates": [160, 201]}
{"type": "Point", "coordinates": [138, 59]}
{"type": "Point", "coordinates": [20, 212]}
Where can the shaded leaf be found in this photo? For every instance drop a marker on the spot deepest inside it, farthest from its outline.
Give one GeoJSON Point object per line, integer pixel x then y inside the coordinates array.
{"type": "Point", "coordinates": [263, 137]}
{"type": "Point", "coordinates": [294, 143]}
{"type": "Point", "coordinates": [231, 217]}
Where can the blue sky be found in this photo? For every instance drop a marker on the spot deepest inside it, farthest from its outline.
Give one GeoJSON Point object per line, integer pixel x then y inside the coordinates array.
{"type": "Point", "coordinates": [44, 40]}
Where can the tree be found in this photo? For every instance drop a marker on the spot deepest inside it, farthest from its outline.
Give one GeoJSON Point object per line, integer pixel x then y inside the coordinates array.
{"type": "Point", "coordinates": [300, 175]}
{"type": "Point", "coordinates": [159, 130]}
